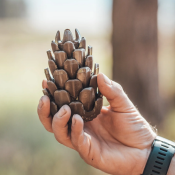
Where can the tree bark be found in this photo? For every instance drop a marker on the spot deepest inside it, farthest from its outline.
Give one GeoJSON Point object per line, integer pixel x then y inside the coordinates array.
{"type": "Point", "coordinates": [135, 63]}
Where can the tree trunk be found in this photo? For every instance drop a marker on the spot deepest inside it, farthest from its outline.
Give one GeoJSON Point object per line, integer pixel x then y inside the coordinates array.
{"type": "Point", "coordinates": [135, 64]}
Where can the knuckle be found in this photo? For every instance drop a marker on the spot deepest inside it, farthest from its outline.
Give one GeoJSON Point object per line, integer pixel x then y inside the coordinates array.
{"type": "Point", "coordinates": [57, 121]}
{"type": "Point", "coordinates": [62, 139]}
{"type": "Point", "coordinates": [76, 139]}
{"type": "Point", "coordinates": [119, 87]}
{"type": "Point", "coordinates": [58, 139]}
{"type": "Point", "coordinates": [48, 129]}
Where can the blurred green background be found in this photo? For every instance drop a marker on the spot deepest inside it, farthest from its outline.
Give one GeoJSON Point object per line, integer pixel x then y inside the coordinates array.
{"type": "Point", "coordinates": [26, 30]}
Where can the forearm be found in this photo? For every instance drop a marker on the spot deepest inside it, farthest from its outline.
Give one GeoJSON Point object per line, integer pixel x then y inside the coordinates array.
{"type": "Point", "coordinates": [172, 167]}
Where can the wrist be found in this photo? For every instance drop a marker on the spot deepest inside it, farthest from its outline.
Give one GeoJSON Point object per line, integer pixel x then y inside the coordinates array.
{"type": "Point", "coordinates": [162, 157]}
{"type": "Point", "coordinates": [171, 169]}
{"type": "Point", "coordinates": [146, 153]}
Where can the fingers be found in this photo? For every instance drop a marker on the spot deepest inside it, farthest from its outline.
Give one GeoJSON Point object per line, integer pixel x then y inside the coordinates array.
{"type": "Point", "coordinates": [44, 84]}
{"type": "Point", "coordinates": [60, 127]}
{"type": "Point", "coordinates": [80, 140]}
{"type": "Point", "coordinates": [44, 113]}
{"type": "Point", "coordinates": [114, 93]}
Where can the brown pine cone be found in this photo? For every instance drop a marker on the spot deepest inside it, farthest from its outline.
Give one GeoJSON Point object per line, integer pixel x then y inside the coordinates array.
{"type": "Point", "coordinates": [72, 81]}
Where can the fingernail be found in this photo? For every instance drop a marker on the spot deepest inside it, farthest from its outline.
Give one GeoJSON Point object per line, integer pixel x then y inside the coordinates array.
{"type": "Point", "coordinates": [107, 80]}
{"type": "Point", "coordinates": [73, 121]}
{"type": "Point", "coordinates": [62, 111]}
{"type": "Point", "coordinates": [40, 103]}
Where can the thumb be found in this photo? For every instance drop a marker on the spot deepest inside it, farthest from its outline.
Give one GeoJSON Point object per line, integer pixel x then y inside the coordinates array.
{"type": "Point", "coordinates": [115, 95]}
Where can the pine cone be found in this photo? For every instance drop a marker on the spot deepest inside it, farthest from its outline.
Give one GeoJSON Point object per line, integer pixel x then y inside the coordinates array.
{"type": "Point", "coordinates": [72, 81]}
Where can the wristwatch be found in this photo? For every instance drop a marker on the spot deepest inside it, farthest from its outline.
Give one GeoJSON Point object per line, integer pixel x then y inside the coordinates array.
{"type": "Point", "coordinates": [160, 157]}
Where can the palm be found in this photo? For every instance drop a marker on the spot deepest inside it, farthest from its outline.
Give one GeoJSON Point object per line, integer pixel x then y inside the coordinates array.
{"type": "Point", "coordinates": [112, 131]}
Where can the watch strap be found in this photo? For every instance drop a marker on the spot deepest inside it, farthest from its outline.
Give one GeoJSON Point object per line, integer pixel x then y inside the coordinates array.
{"type": "Point", "coordinates": [166, 141]}
{"type": "Point", "coordinates": [159, 158]}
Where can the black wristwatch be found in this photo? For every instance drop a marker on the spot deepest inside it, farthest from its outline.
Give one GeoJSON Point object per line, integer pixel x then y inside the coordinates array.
{"type": "Point", "coordinates": [160, 157]}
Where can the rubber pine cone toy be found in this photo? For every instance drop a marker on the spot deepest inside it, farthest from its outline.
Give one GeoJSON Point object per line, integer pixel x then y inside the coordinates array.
{"type": "Point", "coordinates": [72, 80]}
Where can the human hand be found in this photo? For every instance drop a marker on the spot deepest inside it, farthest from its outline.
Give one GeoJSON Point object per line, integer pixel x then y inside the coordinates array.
{"type": "Point", "coordinates": [118, 141]}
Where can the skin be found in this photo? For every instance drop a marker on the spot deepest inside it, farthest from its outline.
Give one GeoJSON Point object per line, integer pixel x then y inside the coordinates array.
{"type": "Point", "coordinates": [118, 141]}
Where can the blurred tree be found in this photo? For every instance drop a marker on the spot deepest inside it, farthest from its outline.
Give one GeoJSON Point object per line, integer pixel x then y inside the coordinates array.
{"type": "Point", "coordinates": [135, 64]}
{"type": "Point", "coordinates": [12, 8]}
